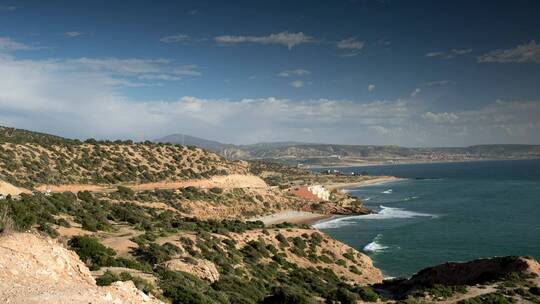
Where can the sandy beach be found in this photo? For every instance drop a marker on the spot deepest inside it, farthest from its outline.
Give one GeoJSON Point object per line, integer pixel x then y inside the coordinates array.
{"type": "Point", "coordinates": [294, 217]}
{"type": "Point", "coordinates": [367, 182]}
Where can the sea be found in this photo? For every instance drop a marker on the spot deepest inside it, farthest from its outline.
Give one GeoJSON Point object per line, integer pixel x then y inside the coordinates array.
{"type": "Point", "coordinates": [443, 212]}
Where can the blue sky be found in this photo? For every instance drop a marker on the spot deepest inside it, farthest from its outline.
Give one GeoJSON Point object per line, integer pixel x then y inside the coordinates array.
{"type": "Point", "coordinates": [413, 73]}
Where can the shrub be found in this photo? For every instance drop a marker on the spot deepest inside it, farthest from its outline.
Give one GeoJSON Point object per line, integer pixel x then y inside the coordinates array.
{"type": "Point", "coordinates": [92, 252]}
{"type": "Point", "coordinates": [367, 294]}
{"type": "Point", "coordinates": [282, 240]}
{"type": "Point", "coordinates": [491, 298]}
{"type": "Point", "coordinates": [184, 288]}
{"type": "Point", "coordinates": [155, 254]}
{"type": "Point", "coordinates": [107, 278]}
{"type": "Point", "coordinates": [125, 192]}
{"type": "Point", "coordinates": [343, 296]}
{"type": "Point", "coordinates": [286, 295]}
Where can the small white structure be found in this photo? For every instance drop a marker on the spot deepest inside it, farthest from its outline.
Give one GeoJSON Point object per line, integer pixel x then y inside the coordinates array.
{"type": "Point", "coordinates": [320, 192]}
{"type": "Point", "coordinates": [2, 197]}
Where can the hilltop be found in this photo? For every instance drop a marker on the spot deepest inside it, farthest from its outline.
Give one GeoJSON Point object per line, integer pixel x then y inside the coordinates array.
{"type": "Point", "coordinates": [29, 159]}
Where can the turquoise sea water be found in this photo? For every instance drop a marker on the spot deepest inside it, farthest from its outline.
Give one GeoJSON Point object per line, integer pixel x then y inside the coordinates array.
{"type": "Point", "coordinates": [445, 212]}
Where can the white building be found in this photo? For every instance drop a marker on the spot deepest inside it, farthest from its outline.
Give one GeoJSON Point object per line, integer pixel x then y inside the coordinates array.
{"type": "Point", "coordinates": [320, 192]}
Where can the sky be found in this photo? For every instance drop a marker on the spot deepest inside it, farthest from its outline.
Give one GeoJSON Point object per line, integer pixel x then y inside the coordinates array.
{"type": "Point", "coordinates": [384, 72]}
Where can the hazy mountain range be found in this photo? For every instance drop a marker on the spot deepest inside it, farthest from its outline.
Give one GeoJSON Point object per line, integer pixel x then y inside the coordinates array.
{"type": "Point", "coordinates": [332, 154]}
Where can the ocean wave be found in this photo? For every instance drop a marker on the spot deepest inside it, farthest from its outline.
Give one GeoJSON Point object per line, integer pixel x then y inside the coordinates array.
{"type": "Point", "coordinates": [336, 222]}
{"type": "Point", "coordinates": [409, 198]}
{"type": "Point", "coordinates": [383, 214]}
{"type": "Point", "coordinates": [389, 191]}
{"type": "Point", "coordinates": [375, 246]}
{"type": "Point", "coordinates": [392, 213]}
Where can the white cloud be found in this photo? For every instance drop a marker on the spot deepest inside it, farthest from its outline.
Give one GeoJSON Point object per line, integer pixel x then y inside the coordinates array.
{"type": "Point", "coordinates": [73, 34]}
{"type": "Point", "coordinates": [287, 39]}
{"type": "Point", "coordinates": [371, 88]}
{"type": "Point", "coordinates": [461, 51]}
{"type": "Point", "coordinates": [352, 45]}
{"type": "Point", "coordinates": [415, 92]}
{"type": "Point", "coordinates": [524, 53]}
{"type": "Point", "coordinates": [297, 72]}
{"type": "Point", "coordinates": [174, 38]}
{"type": "Point", "coordinates": [69, 98]}
{"type": "Point", "coordinates": [434, 54]}
{"type": "Point", "coordinates": [443, 117]}
{"type": "Point", "coordinates": [297, 84]}
{"type": "Point", "coordinates": [449, 54]}
{"type": "Point", "coordinates": [149, 69]}
{"type": "Point", "coordinates": [9, 45]}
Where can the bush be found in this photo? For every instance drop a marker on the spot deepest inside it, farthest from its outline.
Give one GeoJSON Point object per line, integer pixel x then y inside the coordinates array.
{"type": "Point", "coordinates": [92, 252]}
{"type": "Point", "coordinates": [535, 290]}
{"type": "Point", "coordinates": [286, 295]}
{"type": "Point", "coordinates": [107, 278]}
{"type": "Point", "coordinates": [343, 296]}
{"type": "Point", "coordinates": [491, 298]}
{"type": "Point", "coordinates": [155, 254]}
{"type": "Point", "coordinates": [184, 288]}
{"type": "Point", "coordinates": [367, 294]}
{"type": "Point", "coordinates": [125, 192]}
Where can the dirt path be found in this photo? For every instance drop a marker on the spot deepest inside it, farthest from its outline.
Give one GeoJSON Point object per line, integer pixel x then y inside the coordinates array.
{"type": "Point", "coordinates": [223, 181]}
{"type": "Point", "coordinates": [472, 292]}
{"type": "Point", "coordinates": [9, 189]}
{"type": "Point", "coordinates": [120, 241]}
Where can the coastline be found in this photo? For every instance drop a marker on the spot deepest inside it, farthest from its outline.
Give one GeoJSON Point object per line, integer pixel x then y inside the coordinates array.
{"type": "Point", "coordinates": [385, 163]}
{"type": "Point", "coordinates": [310, 218]}
{"type": "Point", "coordinates": [369, 182]}
{"type": "Point", "coordinates": [293, 217]}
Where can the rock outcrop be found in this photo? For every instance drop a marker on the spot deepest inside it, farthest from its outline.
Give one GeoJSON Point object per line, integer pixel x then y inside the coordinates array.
{"type": "Point", "coordinates": [37, 269]}
{"type": "Point", "coordinates": [203, 269]}
{"type": "Point", "coordinates": [474, 272]}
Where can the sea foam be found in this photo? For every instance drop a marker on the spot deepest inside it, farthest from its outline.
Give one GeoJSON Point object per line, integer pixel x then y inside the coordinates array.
{"type": "Point", "coordinates": [383, 214]}
{"type": "Point", "coordinates": [375, 246]}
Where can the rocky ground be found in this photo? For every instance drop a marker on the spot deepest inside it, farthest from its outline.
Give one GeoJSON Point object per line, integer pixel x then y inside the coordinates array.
{"type": "Point", "coordinates": [37, 269]}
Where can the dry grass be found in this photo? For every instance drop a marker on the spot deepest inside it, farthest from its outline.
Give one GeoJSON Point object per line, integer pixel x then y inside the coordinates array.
{"type": "Point", "coordinates": [7, 225]}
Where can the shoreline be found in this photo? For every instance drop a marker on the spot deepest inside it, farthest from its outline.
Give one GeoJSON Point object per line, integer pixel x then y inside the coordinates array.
{"type": "Point", "coordinates": [368, 182]}
{"type": "Point", "coordinates": [382, 163]}
{"type": "Point", "coordinates": [310, 218]}
{"type": "Point", "coordinates": [293, 217]}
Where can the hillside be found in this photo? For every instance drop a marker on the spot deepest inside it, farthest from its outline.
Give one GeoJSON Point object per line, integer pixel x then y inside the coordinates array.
{"type": "Point", "coordinates": [42, 271]}
{"type": "Point", "coordinates": [28, 159]}
{"type": "Point", "coordinates": [160, 222]}
{"type": "Point", "coordinates": [182, 139]}
{"type": "Point", "coordinates": [152, 239]}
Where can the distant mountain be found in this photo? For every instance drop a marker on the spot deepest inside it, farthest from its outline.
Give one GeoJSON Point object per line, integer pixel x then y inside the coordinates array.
{"type": "Point", "coordinates": [336, 155]}
{"type": "Point", "coordinates": [20, 136]}
{"type": "Point", "coordinates": [182, 139]}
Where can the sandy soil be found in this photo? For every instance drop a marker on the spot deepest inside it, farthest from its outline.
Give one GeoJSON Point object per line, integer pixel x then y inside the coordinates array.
{"type": "Point", "coordinates": [7, 188]}
{"type": "Point", "coordinates": [39, 270]}
{"type": "Point", "coordinates": [71, 188]}
{"type": "Point", "coordinates": [294, 217]}
{"type": "Point", "coordinates": [224, 181]}
{"type": "Point", "coordinates": [120, 241]}
{"type": "Point", "coordinates": [368, 182]}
